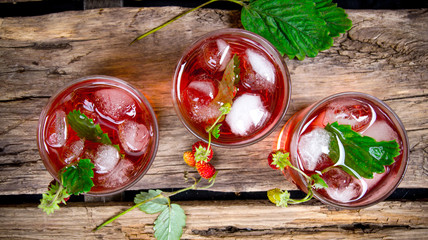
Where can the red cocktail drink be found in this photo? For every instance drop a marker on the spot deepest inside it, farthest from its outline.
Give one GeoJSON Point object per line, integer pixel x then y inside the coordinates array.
{"type": "Point", "coordinates": [308, 142]}
{"type": "Point", "coordinates": [121, 111]}
{"type": "Point", "coordinates": [260, 97]}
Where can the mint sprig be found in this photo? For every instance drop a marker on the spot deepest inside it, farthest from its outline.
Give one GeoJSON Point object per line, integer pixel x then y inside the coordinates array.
{"type": "Point", "coordinates": [297, 28]}
{"type": "Point", "coordinates": [55, 195]}
{"type": "Point", "coordinates": [363, 154]}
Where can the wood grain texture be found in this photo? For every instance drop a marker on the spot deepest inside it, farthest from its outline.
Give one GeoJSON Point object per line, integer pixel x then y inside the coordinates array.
{"type": "Point", "coordinates": [385, 54]}
{"type": "Point", "coordinates": [219, 220]}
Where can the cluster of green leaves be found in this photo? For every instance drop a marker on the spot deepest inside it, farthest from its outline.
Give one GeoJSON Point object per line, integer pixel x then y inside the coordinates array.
{"type": "Point", "coordinates": [297, 28]}
{"type": "Point", "coordinates": [75, 178]}
{"type": "Point", "coordinates": [171, 219]}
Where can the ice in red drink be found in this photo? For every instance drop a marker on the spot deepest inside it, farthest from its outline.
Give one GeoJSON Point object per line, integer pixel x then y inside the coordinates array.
{"type": "Point", "coordinates": [121, 111]}
{"type": "Point", "coordinates": [262, 94]}
{"type": "Point", "coordinates": [305, 137]}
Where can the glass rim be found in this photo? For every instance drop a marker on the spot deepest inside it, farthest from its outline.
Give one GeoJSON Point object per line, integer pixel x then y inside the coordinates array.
{"type": "Point", "coordinates": [396, 120]}
{"type": "Point", "coordinates": [275, 55]}
{"type": "Point", "coordinates": [127, 87]}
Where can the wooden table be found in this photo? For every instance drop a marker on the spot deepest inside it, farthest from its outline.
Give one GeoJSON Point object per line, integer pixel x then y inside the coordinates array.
{"type": "Point", "coordinates": [385, 54]}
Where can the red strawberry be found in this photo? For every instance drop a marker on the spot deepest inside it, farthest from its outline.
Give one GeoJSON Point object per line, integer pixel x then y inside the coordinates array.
{"type": "Point", "coordinates": [198, 146]}
{"type": "Point", "coordinates": [270, 160]}
{"type": "Point", "coordinates": [206, 170]}
{"type": "Point", "coordinates": [189, 158]}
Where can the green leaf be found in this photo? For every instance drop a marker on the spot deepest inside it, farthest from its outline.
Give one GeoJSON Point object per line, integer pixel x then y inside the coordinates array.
{"type": "Point", "coordinates": [85, 128]}
{"type": "Point", "coordinates": [294, 27]}
{"type": "Point", "coordinates": [152, 206]}
{"type": "Point", "coordinates": [201, 154]}
{"type": "Point", "coordinates": [336, 18]}
{"type": "Point", "coordinates": [216, 131]}
{"type": "Point", "coordinates": [279, 197]}
{"type": "Point", "coordinates": [281, 159]}
{"type": "Point", "coordinates": [169, 224]}
{"type": "Point", "coordinates": [78, 178]}
{"type": "Point", "coordinates": [226, 87]}
{"type": "Point", "coordinates": [55, 195]}
{"type": "Point", "coordinates": [318, 182]}
{"type": "Point", "coordinates": [363, 154]}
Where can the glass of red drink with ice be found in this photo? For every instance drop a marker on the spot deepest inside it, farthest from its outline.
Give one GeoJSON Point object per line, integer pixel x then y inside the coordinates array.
{"type": "Point", "coordinates": [261, 96]}
{"type": "Point", "coordinates": [121, 111]}
{"type": "Point", "coordinates": [305, 138]}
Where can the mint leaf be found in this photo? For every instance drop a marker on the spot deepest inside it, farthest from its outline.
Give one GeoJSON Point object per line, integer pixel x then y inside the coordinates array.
{"type": "Point", "coordinates": [295, 28]}
{"type": "Point", "coordinates": [336, 18]}
{"type": "Point", "coordinates": [226, 87]}
{"type": "Point", "coordinates": [153, 206]}
{"type": "Point", "coordinates": [85, 128]}
{"type": "Point", "coordinates": [78, 178]}
{"type": "Point", "coordinates": [169, 224]}
{"type": "Point", "coordinates": [318, 182]}
{"type": "Point", "coordinates": [55, 195]}
{"type": "Point", "coordinates": [363, 154]}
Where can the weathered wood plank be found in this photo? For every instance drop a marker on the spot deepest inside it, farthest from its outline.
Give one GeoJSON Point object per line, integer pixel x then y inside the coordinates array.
{"type": "Point", "coordinates": [385, 54]}
{"type": "Point", "coordinates": [222, 220]}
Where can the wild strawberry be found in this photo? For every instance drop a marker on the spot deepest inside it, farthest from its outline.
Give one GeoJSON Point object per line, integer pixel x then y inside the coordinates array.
{"type": "Point", "coordinates": [189, 158]}
{"type": "Point", "coordinates": [206, 170]}
{"type": "Point", "coordinates": [270, 159]}
{"type": "Point", "coordinates": [201, 153]}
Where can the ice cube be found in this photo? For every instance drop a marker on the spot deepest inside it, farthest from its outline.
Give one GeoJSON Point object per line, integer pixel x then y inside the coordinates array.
{"type": "Point", "coordinates": [260, 74]}
{"type": "Point", "coordinates": [216, 55]}
{"type": "Point", "coordinates": [247, 114]}
{"type": "Point", "coordinates": [115, 104]}
{"type": "Point", "coordinates": [342, 187]}
{"type": "Point", "coordinates": [381, 131]}
{"type": "Point", "coordinates": [120, 175]}
{"type": "Point", "coordinates": [350, 112]}
{"type": "Point", "coordinates": [313, 146]}
{"type": "Point", "coordinates": [197, 98]}
{"type": "Point", "coordinates": [57, 129]}
{"type": "Point", "coordinates": [133, 136]}
{"type": "Point", "coordinates": [105, 158]}
{"type": "Point", "coordinates": [74, 151]}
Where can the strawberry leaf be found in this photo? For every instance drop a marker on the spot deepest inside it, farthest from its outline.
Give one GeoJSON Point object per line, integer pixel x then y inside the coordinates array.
{"type": "Point", "coordinates": [295, 28]}
{"type": "Point", "coordinates": [280, 159]}
{"type": "Point", "coordinates": [363, 154]}
{"type": "Point", "coordinates": [336, 18]}
{"type": "Point", "coordinates": [169, 224]}
{"type": "Point", "coordinates": [85, 128]}
{"type": "Point", "coordinates": [226, 87]}
{"type": "Point", "coordinates": [318, 182]}
{"type": "Point", "coordinates": [216, 131]}
{"type": "Point", "coordinates": [55, 195]}
{"type": "Point", "coordinates": [78, 178]}
{"type": "Point", "coordinates": [152, 206]}
{"type": "Point", "coordinates": [279, 197]}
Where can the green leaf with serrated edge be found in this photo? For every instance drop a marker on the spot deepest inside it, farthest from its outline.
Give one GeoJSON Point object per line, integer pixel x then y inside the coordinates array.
{"type": "Point", "coordinates": [294, 27]}
{"type": "Point", "coordinates": [78, 178]}
{"type": "Point", "coordinates": [153, 206]}
{"type": "Point", "coordinates": [363, 154]}
{"type": "Point", "coordinates": [85, 128]}
{"type": "Point", "coordinates": [170, 223]}
{"type": "Point", "coordinates": [216, 131]}
{"type": "Point", "coordinates": [318, 182]}
{"type": "Point", "coordinates": [226, 87]}
{"type": "Point", "coordinates": [281, 160]}
{"type": "Point", "coordinates": [336, 18]}
{"type": "Point", "coordinates": [279, 197]}
{"type": "Point", "coordinates": [52, 198]}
